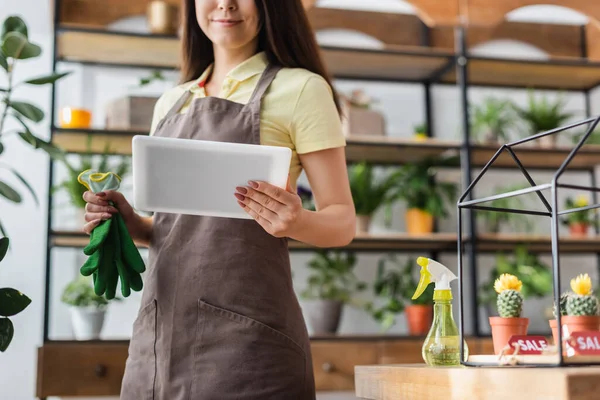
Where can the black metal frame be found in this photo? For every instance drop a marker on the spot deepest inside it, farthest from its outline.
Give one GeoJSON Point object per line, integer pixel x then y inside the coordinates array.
{"type": "Point", "coordinates": [552, 212]}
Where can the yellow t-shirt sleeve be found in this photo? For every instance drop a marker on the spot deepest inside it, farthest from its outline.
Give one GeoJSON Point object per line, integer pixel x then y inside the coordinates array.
{"type": "Point", "coordinates": [315, 123]}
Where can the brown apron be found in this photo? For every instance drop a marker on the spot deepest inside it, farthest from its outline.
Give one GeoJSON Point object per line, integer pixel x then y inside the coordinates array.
{"type": "Point", "coordinates": [219, 317]}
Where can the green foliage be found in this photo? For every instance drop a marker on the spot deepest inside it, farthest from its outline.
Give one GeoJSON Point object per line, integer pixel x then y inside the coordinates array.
{"type": "Point", "coordinates": [535, 275]}
{"type": "Point", "coordinates": [510, 304]}
{"type": "Point", "coordinates": [368, 192]}
{"type": "Point", "coordinates": [492, 119]}
{"type": "Point", "coordinates": [86, 161]}
{"type": "Point", "coordinates": [332, 277]}
{"type": "Point", "coordinates": [421, 129]}
{"type": "Point", "coordinates": [155, 75]}
{"type": "Point", "coordinates": [562, 306]}
{"type": "Point", "coordinates": [581, 305]}
{"type": "Point", "coordinates": [415, 184]}
{"type": "Point", "coordinates": [12, 302]}
{"type": "Point", "coordinates": [80, 293]}
{"type": "Point", "coordinates": [543, 115]}
{"type": "Point", "coordinates": [516, 222]}
{"type": "Point", "coordinates": [586, 217]}
{"type": "Point", "coordinates": [396, 285]}
{"type": "Point", "coordinates": [15, 47]}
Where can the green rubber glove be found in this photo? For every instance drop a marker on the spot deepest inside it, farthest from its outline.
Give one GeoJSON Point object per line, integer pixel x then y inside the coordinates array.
{"type": "Point", "coordinates": [112, 254]}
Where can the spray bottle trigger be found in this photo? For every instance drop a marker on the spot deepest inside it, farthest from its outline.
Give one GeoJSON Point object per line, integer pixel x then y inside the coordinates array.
{"type": "Point", "coordinates": [423, 282]}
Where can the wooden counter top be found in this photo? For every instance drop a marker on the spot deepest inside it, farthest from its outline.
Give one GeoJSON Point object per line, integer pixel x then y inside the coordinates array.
{"type": "Point", "coordinates": [420, 382]}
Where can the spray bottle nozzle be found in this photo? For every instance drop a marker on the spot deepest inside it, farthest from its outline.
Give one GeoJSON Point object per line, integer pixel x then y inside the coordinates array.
{"type": "Point", "coordinates": [433, 271]}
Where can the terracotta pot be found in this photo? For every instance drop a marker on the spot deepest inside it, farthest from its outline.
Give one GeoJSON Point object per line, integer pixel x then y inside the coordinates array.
{"type": "Point", "coordinates": [578, 229]}
{"type": "Point", "coordinates": [363, 222]}
{"type": "Point", "coordinates": [580, 323]}
{"type": "Point", "coordinates": [419, 318]}
{"type": "Point", "coordinates": [418, 222]}
{"type": "Point", "coordinates": [554, 328]}
{"type": "Point", "coordinates": [504, 328]}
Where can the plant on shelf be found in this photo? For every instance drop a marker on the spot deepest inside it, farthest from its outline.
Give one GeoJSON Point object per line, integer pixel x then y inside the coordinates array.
{"type": "Point", "coordinates": [154, 76]}
{"type": "Point", "coordinates": [579, 308]}
{"type": "Point", "coordinates": [87, 309]}
{"type": "Point", "coordinates": [543, 115]}
{"type": "Point", "coordinates": [414, 183]}
{"type": "Point", "coordinates": [16, 48]}
{"type": "Point", "coordinates": [420, 132]}
{"type": "Point", "coordinates": [492, 120]}
{"type": "Point", "coordinates": [75, 189]}
{"type": "Point", "coordinates": [12, 302]}
{"type": "Point", "coordinates": [509, 303]}
{"type": "Point", "coordinates": [536, 276]}
{"type": "Point", "coordinates": [594, 137]}
{"type": "Point", "coordinates": [578, 221]}
{"type": "Point", "coordinates": [330, 285]}
{"type": "Point", "coordinates": [368, 193]}
{"type": "Point", "coordinates": [495, 220]}
{"type": "Point", "coordinates": [396, 285]}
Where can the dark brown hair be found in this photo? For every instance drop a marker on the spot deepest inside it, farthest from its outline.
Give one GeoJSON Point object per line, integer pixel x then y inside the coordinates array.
{"type": "Point", "coordinates": [286, 37]}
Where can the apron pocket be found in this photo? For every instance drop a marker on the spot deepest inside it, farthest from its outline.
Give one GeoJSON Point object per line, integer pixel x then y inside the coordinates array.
{"type": "Point", "coordinates": [237, 356]}
{"type": "Point", "coordinates": [140, 371]}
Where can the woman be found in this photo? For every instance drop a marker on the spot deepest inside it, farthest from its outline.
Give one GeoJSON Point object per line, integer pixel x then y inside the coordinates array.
{"type": "Point", "coordinates": [219, 318]}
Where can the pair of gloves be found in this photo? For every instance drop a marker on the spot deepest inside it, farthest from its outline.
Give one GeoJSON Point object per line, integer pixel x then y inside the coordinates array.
{"type": "Point", "coordinates": [112, 254]}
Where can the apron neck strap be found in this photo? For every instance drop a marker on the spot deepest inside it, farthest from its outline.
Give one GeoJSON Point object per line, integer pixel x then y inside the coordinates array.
{"type": "Point", "coordinates": [179, 104]}
{"type": "Point", "coordinates": [263, 84]}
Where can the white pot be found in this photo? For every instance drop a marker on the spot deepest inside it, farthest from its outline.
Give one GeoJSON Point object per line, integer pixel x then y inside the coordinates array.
{"type": "Point", "coordinates": [87, 322]}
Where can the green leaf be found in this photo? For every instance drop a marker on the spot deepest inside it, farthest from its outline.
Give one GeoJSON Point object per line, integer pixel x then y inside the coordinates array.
{"type": "Point", "coordinates": [12, 302]}
{"type": "Point", "coordinates": [27, 185]}
{"type": "Point", "coordinates": [15, 45]}
{"type": "Point", "coordinates": [2, 149]}
{"type": "Point", "coordinates": [10, 193]}
{"type": "Point", "coordinates": [3, 62]}
{"type": "Point", "coordinates": [2, 230]}
{"type": "Point", "coordinates": [4, 242]}
{"type": "Point", "coordinates": [27, 110]}
{"type": "Point", "coordinates": [14, 24]}
{"type": "Point", "coordinates": [43, 80]}
{"type": "Point", "coordinates": [7, 332]}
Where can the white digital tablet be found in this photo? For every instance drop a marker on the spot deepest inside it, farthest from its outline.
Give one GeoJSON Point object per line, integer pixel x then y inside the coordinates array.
{"type": "Point", "coordinates": [198, 177]}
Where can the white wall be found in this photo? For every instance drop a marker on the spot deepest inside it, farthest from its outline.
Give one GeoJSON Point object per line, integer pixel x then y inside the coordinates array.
{"type": "Point", "coordinates": [92, 87]}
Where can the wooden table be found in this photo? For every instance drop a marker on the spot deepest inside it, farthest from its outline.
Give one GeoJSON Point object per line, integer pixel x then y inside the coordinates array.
{"type": "Point", "coordinates": [420, 382]}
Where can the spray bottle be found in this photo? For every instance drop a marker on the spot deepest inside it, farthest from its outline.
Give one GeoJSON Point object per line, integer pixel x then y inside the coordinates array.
{"type": "Point", "coordinates": [441, 346]}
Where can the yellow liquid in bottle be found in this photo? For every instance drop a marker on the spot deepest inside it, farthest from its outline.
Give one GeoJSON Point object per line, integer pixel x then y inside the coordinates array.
{"type": "Point", "coordinates": [441, 346]}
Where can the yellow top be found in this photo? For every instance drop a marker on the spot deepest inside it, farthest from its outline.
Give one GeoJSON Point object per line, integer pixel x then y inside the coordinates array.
{"type": "Point", "coordinates": [298, 110]}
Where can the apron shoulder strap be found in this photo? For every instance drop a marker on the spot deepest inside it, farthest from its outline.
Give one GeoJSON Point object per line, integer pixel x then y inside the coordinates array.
{"type": "Point", "coordinates": [179, 104]}
{"type": "Point", "coordinates": [263, 84]}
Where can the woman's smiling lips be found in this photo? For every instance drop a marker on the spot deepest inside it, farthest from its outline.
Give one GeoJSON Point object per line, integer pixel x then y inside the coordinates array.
{"type": "Point", "coordinates": [226, 22]}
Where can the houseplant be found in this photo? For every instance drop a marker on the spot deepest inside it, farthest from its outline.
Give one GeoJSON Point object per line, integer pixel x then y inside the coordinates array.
{"type": "Point", "coordinates": [12, 302]}
{"type": "Point", "coordinates": [420, 132]}
{"type": "Point", "coordinates": [87, 308]}
{"type": "Point", "coordinates": [368, 193]}
{"type": "Point", "coordinates": [396, 286]}
{"type": "Point", "coordinates": [330, 285]}
{"type": "Point", "coordinates": [579, 308]}
{"type": "Point", "coordinates": [494, 221]}
{"type": "Point", "coordinates": [578, 221]}
{"type": "Point", "coordinates": [359, 119]}
{"type": "Point", "coordinates": [510, 306]}
{"type": "Point", "coordinates": [543, 115]}
{"type": "Point", "coordinates": [492, 120]}
{"type": "Point", "coordinates": [415, 184]}
{"type": "Point", "coordinates": [16, 48]}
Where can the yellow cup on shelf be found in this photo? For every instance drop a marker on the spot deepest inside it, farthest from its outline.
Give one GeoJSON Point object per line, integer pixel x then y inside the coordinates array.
{"type": "Point", "coordinates": [75, 118]}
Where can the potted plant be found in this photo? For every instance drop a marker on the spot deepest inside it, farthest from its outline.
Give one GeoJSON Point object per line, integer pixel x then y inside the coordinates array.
{"type": "Point", "coordinates": [578, 221]}
{"type": "Point", "coordinates": [579, 308]}
{"type": "Point", "coordinates": [420, 132]}
{"type": "Point", "coordinates": [71, 185]}
{"type": "Point", "coordinates": [543, 115]}
{"type": "Point", "coordinates": [87, 308]}
{"type": "Point", "coordinates": [536, 277]}
{"type": "Point", "coordinates": [495, 220]}
{"type": "Point", "coordinates": [331, 284]}
{"type": "Point", "coordinates": [368, 193]}
{"type": "Point", "coordinates": [12, 302]}
{"type": "Point", "coordinates": [415, 184]}
{"type": "Point", "coordinates": [396, 286]}
{"type": "Point", "coordinates": [510, 306]}
{"type": "Point", "coordinates": [359, 119]}
{"type": "Point", "coordinates": [492, 119]}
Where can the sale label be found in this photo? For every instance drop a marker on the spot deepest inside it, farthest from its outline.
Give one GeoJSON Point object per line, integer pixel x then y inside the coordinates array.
{"type": "Point", "coordinates": [529, 344]}
{"type": "Point", "coordinates": [585, 342]}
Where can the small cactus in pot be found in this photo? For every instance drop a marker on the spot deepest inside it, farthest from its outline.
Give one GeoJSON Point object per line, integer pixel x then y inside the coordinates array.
{"type": "Point", "coordinates": [510, 307]}
{"type": "Point", "coordinates": [582, 310]}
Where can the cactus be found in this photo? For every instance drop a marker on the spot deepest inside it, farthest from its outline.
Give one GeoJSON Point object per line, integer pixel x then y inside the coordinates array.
{"type": "Point", "coordinates": [510, 299]}
{"type": "Point", "coordinates": [582, 301]}
{"type": "Point", "coordinates": [562, 306]}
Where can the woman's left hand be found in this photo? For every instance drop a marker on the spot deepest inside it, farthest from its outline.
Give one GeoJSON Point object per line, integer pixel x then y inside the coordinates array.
{"type": "Point", "coordinates": [275, 209]}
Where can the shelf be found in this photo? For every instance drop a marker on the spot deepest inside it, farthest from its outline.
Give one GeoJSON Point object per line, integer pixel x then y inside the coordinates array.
{"type": "Point", "coordinates": [383, 242]}
{"type": "Point", "coordinates": [375, 149]}
{"type": "Point", "coordinates": [489, 243]}
{"type": "Point", "coordinates": [564, 73]}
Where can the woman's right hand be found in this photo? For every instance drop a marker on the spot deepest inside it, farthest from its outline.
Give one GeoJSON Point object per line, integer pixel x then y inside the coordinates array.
{"type": "Point", "coordinates": [98, 209]}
